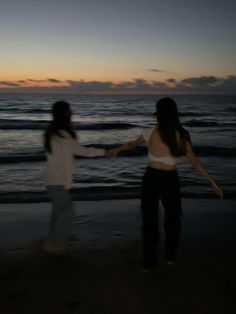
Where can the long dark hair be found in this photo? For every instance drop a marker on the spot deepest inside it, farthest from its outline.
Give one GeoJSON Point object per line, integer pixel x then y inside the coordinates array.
{"type": "Point", "coordinates": [169, 124]}
{"type": "Point", "coordinates": [61, 121]}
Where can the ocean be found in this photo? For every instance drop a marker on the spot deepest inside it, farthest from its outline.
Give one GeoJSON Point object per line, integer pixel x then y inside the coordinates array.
{"type": "Point", "coordinates": [109, 121]}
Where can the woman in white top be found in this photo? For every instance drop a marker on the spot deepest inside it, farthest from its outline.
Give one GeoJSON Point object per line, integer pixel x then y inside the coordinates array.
{"type": "Point", "coordinates": [166, 141]}
{"type": "Point", "coordinates": [61, 145]}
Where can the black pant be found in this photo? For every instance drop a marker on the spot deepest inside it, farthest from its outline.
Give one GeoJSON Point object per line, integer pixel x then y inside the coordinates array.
{"type": "Point", "coordinates": [159, 184]}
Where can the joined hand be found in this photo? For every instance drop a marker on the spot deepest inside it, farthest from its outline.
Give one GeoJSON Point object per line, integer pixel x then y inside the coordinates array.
{"type": "Point", "coordinates": [110, 153]}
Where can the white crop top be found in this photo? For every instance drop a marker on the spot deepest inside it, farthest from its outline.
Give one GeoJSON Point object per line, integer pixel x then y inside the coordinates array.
{"type": "Point", "coordinates": [168, 160]}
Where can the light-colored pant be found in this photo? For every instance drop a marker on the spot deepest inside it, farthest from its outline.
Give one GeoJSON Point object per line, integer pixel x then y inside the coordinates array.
{"type": "Point", "coordinates": [62, 216]}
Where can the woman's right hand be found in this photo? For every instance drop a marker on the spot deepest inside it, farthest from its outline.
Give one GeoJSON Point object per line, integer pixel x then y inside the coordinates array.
{"type": "Point", "coordinates": [196, 164]}
{"type": "Point", "coordinates": [111, 153]}
{"type": "Point", "coordinates": [218, 190]}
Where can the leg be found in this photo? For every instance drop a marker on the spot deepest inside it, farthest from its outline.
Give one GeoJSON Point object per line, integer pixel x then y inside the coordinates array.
{"type": "Point", "coordinates": [172, 221]}
{"type": "Point", "coordinates": [62, 217]}
{"type": "Point", "coordinates": [150, 230]}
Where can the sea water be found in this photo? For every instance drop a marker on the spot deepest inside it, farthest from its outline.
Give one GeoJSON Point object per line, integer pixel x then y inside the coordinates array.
{"type": "Point", "coordinates": [109, 121]}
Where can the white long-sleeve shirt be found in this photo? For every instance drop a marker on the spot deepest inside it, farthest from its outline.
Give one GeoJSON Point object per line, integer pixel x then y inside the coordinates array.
{"type": "Point", "coordinates": [60, 162]}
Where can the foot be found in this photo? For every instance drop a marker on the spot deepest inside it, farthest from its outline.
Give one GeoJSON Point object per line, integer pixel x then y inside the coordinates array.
{"type": "Point", "coordinates": [150, 266]}
{"type": "Point", "coordinates": [145, 270]}
{"type": "Point", "coordinates": [50, 248]}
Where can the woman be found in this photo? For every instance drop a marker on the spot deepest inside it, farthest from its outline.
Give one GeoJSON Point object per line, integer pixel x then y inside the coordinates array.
{"type": "Point", "coordinates": [61, 145]}
{"type": "Point", "coordinates": [166, 141]}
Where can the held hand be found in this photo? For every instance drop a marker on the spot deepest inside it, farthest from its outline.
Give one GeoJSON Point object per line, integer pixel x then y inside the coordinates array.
{"type": "Point", "coordinates": [218, 190]}
{"type": "Point", "coordinates": [110, 153]}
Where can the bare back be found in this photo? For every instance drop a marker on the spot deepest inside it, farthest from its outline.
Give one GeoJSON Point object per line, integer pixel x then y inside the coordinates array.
{"type": "Point", "coordinates": [158, 149]}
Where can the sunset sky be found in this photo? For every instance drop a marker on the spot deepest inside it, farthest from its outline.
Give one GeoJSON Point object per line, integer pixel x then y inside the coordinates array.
{"type": "Point", "coordinates": [118, 45]}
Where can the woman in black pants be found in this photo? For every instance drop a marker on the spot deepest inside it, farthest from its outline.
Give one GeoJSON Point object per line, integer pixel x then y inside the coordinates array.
{"type": "Point", "coordinates": [166, 142]}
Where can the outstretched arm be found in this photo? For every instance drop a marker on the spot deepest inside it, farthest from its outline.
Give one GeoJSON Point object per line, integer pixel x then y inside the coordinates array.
{"type": "Point", "coordinates": [128, 146]}
{"type": "Point", "coordinates": [132, 145]}
{"type": "Point", "coordinates": [196, 164]}
{"type": "Point", "coordinates": [80, 150]}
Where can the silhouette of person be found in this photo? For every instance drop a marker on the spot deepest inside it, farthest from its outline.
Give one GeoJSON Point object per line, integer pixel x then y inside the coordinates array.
{"type": "Point", "coordinates": [61, 144]}
{"type": "Point", "coordinates": [166, 141]}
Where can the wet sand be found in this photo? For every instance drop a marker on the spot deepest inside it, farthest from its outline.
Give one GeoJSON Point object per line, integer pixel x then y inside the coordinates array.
{"type": "Point", "coordinates": [101, 273]}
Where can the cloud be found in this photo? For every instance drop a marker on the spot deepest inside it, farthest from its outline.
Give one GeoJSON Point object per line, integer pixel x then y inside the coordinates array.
{"type": "Point", "coordinates": [209, 84]}
{"type": "Point", "coordinates": [36, 81]}
{"type": "Point", "coordinates": [89, 86]}
{"type": "Point", "coordinates": [156, 84]}
{"type": "Point", "coordinates": [9, 84]}
{"type": "Point", "coordinates": [201, 84]}
{"type": "Point", "coordinates": [228, 84]}
{"type": "Point", "coordinates": [171, 80]}
{"type": "Point", "coordinates": [51, 80]}
{"type": "Point", "coordinates": [125, 85]}
{"type": "Point", "coordinates": [136, 84]}
{"type": "Point", "coordinates": [154, 70]}
{"type": "Point", "coordinates": [141, 83]}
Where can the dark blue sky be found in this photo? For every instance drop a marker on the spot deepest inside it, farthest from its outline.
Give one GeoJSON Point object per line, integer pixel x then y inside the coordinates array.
{"type": "Point", "coordinates": [117, 40]}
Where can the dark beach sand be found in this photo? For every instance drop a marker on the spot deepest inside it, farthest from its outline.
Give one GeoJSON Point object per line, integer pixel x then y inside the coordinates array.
{"type": "Point", "coordinates": [101, 274]}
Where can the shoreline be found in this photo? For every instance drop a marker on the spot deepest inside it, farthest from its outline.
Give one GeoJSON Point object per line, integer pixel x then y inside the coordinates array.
{"type": "Point", "coordinates": [99, 194]}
